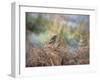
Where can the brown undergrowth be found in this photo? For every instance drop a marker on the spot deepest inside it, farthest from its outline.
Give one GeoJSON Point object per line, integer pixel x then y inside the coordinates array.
{"type": "Point", "coordinates": [50, 55]}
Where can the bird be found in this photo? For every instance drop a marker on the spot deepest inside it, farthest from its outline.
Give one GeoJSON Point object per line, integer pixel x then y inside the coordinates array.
{"type": "Point", "coordinates": [53, 39]}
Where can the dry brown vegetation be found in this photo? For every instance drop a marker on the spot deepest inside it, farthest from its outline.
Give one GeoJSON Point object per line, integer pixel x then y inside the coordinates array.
{"type": "Point", "coordinates": [50, 55]}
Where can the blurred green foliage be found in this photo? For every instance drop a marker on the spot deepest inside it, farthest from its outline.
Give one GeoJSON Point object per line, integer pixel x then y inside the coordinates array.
{"type": "Point", "coordinates": [66, 35]}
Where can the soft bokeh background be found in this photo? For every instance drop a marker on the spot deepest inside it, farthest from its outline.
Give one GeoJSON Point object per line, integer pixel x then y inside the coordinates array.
{"type": "Point", "coordinates": [72, 29]}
